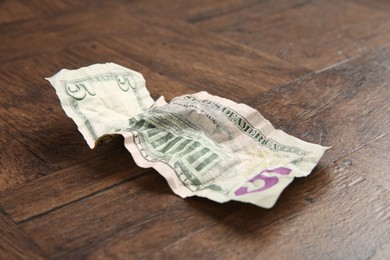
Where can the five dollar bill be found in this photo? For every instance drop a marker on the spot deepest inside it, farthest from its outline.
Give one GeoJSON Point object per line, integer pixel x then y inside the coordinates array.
{"type": "Point", "coordinates": [202, 144]}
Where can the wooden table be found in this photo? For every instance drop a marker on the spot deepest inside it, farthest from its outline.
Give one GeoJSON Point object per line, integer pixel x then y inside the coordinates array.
{"type": "Point", "coordinates": [319, 70]}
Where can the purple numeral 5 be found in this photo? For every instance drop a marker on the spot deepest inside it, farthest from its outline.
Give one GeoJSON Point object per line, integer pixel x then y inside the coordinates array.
{"type": "Point", "coordinates": [268, 181]}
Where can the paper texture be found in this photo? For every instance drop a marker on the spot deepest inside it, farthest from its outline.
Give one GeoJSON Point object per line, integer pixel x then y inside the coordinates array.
{"type": "Point", "coordinates": [202, 144]}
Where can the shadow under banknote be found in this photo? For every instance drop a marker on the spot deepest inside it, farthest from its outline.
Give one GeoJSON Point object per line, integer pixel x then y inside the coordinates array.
{"type": "Point", "coordinates": [247, 220]}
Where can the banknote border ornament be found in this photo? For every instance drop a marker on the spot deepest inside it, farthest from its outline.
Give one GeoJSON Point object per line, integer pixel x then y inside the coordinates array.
{"type": "Point", "coordinates": [244, 126]}
{"type": "Point", "coordinates": [77, 90]}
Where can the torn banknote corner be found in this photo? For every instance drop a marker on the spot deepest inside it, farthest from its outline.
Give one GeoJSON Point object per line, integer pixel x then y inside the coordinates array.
{"type": "Point", "coordinates": [202, 144]}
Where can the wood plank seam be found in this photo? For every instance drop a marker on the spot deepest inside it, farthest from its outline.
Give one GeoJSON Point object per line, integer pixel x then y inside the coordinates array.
{"type": "Point", "coordinates": [18, 244]}
{"type": "Point", "coordinates": [361, 147]}
{"type": "Point", "coordinates": [86, 206]}
{"type": "Point", "coordinates": [21, 142]}
{"type": "Point", "coordinates": [207, 16]}
{"type": "Point", "coordinates": [46, 16]}
{"type": "Point", "coordinates": [84, 197]}
{"type": "Point", "coordinates": [222, 39]}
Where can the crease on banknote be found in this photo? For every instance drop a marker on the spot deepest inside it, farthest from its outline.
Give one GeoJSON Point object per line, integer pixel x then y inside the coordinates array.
{"type": "Point", "coordinates": [203, 145]}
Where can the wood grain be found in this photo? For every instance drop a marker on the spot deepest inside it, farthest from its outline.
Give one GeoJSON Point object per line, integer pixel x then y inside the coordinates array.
{"type": "Point", "coordinates": [329, 219]}
{"type": "Point", "coordinates": [372, 161]}
{"type": "Point", "coordinates": [15, 244]}
{"type": "Point", "coordinates": [313, 34]}
{"type": "Point", "coordinates": [344, 107]}
{"type": "Point", "coordinates": [129, 210]}
{"type": "Point", "coordinates": [377, 4]}
{"type": "Point", "coordinates": [37, 36]}
{"type": "Point", "coordinates": [218, 66]}
{"type": "Point", "coordinates": [318, 70]}
{"type": "Point", "coordinates": [47, 193]}
{"type": "Point", "coordinates": [206, 10]}
{"type": "Point", "coordinates": [32, 132]}
{"type": "Point", "coordinates": [17, 10]}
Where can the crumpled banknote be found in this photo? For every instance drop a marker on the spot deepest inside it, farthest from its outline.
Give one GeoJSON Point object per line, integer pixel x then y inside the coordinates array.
{"type": "Point", "coordinates": [202, 144]}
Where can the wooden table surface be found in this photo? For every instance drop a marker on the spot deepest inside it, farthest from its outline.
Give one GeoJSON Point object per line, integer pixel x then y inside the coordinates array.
{"type": "Point", "coordinates": [319, 70]}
